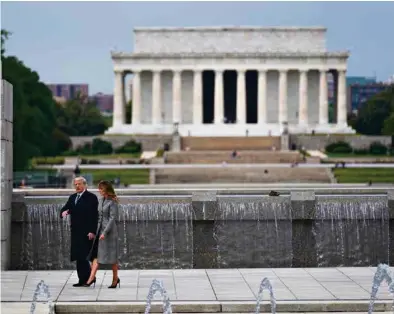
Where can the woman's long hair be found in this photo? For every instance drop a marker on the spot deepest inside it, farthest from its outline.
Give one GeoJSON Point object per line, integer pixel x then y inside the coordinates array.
{"type": "Point", "coordinates": [108, 188]}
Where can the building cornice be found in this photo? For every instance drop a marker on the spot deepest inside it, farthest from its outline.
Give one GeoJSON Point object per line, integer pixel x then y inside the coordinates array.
{"type": "Point", "coordinates": [135, 56]}
{"type": "Point", "coordinates": [230, 29]}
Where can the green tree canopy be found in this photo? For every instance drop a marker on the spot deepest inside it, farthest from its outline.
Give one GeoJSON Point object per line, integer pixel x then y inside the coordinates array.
{"type": "Point", "coordinates": [34, 111]}
{"type": "Point", "coordinates": [374, 116]}
{"type": "Point", "coordinates": [80, 117]}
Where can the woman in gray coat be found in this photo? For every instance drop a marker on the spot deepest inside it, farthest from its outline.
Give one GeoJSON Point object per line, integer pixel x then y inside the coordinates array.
{"type": "Point", "coordinates": [105, 249]}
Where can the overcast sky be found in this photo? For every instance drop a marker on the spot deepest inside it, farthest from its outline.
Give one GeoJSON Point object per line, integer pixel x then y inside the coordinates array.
{"type": "Point", "coordinates": [70, 42]}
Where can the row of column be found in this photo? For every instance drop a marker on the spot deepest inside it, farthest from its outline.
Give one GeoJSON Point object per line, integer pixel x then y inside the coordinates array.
{"type": "Point", "coordinates": [219, 98]}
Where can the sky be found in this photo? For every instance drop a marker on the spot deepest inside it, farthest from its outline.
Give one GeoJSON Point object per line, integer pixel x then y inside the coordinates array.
{"type": "Point", "coordinates": [70, 42]}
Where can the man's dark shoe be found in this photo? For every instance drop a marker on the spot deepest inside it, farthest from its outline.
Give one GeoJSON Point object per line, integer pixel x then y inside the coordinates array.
{"type": "Point", "coordinates": [79, 284]}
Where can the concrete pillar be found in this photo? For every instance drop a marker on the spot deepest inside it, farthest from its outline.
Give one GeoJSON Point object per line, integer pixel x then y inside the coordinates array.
{"type": "Point", "coordinates": [282, 96]}
{"type": "Point", "coordinates": [156, 98]}
{"type": "Point", "coordinates": [152, 176]}
{"type": "Point", "coordinates": [262, 97]}
{"type": "Point", "coordinates": [136, 102]}
{"type": "Point", "coordinates": [342, 110]}
{"type": "Point", "coordinates": [118, 114]}
{"type": "Point", "coordinates": [205, 206]}
{"type": "Point", "coordinates": [219, 103]}
{"type": "Point", "coordinates": [303, 206]}
{"type": "Point", "coordinates": [323, 98]}
{"type": "Point", "coordinates": [241, 97]}
{"type": "Point", "coordinates": [303, 98]}
{"type": "Point", "coordinates": [176, 97]}
{"type": "Point", "coordinates": [6, 171]}
{"type": "Point", "coordinates": [197, 98]}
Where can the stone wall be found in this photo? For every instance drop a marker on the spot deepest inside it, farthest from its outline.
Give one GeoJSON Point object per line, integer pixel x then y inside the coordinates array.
{"type": "Point", "coordinates": [315, 142]}
{"type": "Point", "coordinates": [6, 156]}
{"type": "Point", "coordinates": [222, 39]}
{"type": "Point", "coordinates": [149, 142]}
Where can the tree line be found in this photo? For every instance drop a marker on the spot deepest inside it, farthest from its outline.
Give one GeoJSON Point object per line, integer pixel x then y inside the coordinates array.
{"type": "Point", "coordinates": [41, 126]}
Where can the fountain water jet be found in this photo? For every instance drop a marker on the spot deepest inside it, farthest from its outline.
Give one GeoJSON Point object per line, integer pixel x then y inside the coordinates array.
{"type": "Point", "coordinates": [42, 289]}
{"type": "Point", "coordinates": [266, 285]}
{"type": "Point", "coordinates": [383, 273]}
{"type": "Point", "coordinates": [157, 286]}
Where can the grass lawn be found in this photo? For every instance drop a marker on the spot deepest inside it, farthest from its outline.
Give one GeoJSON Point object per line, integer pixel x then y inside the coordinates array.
{"type": "Point", "coordinates": [333, 155]}
{"type": "Point", "coordinates": [364, 175]}
{"type": "Point", "coordinates": [126, 176]}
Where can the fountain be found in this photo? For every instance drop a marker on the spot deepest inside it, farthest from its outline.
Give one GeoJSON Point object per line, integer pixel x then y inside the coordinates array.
{"type": "Point", "coordinates": [266, 285]}
{"type": "Point", "coordinates": [382, 274]}
{"type": "Point", "coordinates": [42, 290]}
{"type": "Point", "coordinates": [157, 286]}
{"type": "Point", "coordinates": [218, 231]}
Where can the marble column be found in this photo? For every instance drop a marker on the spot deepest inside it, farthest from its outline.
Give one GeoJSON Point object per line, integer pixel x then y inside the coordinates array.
{"type": "Point", "coordinates": [262, 97]}
{"type": "Point", "coordinates": [197, 98]}
{"type": "Point", "coordinates": [219, 103]}
{"type": "Point", "coordinates": [136, 102]}
{"type": "Point", "coordinates": [156, 98]}
{"type": "Point", "coordinates": [176, 97]}
{"type": "Point", "coordinates": [241, 97]}
{"type": "Point", "coordinates": [282, 97]}
{"type": "Point", "coordinates": [303, 98]}
{"type": "Point", "coordinates": [323, 98]}
{"type": "Point", "coordinates": [342, 110]}
{"type": "Point", "coordinates": [118, 114]}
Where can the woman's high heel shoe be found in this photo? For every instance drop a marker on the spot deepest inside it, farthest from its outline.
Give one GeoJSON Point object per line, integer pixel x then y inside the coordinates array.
{"type": "Point", "coordinates": [113, 286]}
{"type": "Point", "coordinates": [92, 283]}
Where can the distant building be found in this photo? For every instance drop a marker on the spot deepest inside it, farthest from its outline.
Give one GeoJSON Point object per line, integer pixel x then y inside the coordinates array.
{"type": "Point", "coordinates": [105, 103]}
{"type": "Point", "coordinates": [360, 93]}
{"type": "Point", "coordinates": [68, 91]}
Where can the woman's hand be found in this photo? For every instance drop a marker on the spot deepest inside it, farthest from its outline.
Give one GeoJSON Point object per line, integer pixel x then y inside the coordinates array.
{"type": "Point", "coordinates": [101, 237]}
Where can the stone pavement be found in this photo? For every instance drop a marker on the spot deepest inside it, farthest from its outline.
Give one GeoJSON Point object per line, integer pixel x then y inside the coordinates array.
{"type": "Point", "coordinates": [203, 290]}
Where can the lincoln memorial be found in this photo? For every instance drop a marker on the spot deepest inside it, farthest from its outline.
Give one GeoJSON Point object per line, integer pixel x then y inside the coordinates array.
{"type": "Point", "coordinates": [230, 81]}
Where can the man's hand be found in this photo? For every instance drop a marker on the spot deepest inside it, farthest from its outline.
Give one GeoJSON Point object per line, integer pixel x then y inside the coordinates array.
{"type": "Point", "coordinates": [91, 236]}
{"type": "Point", "coordinates": [101, 237]}
{"type": "Point", "coordinates": [65, 213]}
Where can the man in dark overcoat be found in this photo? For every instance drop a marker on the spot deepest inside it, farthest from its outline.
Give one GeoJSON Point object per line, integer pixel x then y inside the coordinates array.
{"type": "Point", "coordinates": [82, 208]}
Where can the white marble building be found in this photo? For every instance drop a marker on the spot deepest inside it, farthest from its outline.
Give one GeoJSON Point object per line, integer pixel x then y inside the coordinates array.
{"type": "Point", "coordinates": [171, 84]}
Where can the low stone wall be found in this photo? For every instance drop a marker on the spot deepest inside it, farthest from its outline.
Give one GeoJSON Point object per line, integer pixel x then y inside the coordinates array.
{"type": "Point", "coordinates": [207, 230]}
{"type": "Point", "coordinates": [319, 142]}
{"type": "Point", "coordinates": [149, 142]}
{"type": "Point", "coordinates": [6, 174]}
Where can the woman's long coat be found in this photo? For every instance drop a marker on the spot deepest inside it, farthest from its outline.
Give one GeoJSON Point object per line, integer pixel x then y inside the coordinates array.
{"type": "Point", "coordinates": [108, 248]}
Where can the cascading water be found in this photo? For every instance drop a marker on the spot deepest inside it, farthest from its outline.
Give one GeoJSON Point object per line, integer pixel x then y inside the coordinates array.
{"type": "Point", "coordinates": [152, 235]}
{"type": "Point", "coordinates": [352, 231]}
{"type": "Point", "coordinates": [266, 285]}
{"type": "Point", "coordinates": [254, 232]}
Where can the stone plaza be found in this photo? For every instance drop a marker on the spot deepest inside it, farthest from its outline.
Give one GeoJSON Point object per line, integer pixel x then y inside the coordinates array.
{"type": "Point", "coordinates": [234, 81]}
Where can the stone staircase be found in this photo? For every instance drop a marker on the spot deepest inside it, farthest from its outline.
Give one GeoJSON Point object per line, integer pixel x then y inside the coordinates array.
{"type": "Point", "coordinates": [242, 175]}
{"type": "Point", "coordinates": [243, 157]}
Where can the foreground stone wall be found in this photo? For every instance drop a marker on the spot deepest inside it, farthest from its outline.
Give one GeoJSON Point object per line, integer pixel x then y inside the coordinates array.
{"type": "Point", "coordinates": [208, 230]}
{"type": "Point", "coordinates": [319, 142]}
{"type": "Point", "coordinates": [6, 122]}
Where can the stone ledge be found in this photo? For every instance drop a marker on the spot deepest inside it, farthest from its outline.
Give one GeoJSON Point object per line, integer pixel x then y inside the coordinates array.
{"type": "Point", "coordinates": [229, 28]}
{"type": "Point", "coordinates": [222, 307]}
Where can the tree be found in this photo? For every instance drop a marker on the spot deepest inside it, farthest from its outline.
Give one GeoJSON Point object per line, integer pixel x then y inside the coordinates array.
{"type": "Point", "coordinates": [4, 36]}
{"type": "Point", "coordinates": [80, 117]}
{"type": "Point", "coordinates": [373, 114]}
{"type": "Point", "coordinates": [34, 111]}
{"type": "Point", "coordinates": [388, 125]}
